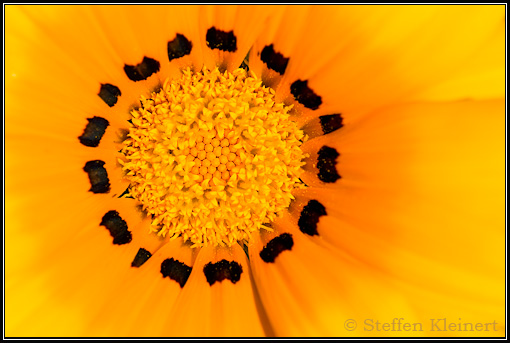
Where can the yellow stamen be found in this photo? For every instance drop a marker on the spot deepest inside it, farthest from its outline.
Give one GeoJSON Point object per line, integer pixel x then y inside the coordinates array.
{"type": "Point", "coordinates": [212, 157]}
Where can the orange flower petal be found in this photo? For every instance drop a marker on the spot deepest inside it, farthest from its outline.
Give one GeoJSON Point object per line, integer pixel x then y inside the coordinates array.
{"type": "Point", "coordinates": [223, 308]}
{"type": "Point", "coordinates": [308, 291]}
{"type": "Point", "coordinates": [388, 54]}
{"type": "Point", "coordinates": [421, 200]}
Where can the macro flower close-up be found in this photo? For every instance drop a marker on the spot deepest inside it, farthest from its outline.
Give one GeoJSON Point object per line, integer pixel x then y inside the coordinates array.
{"type": "Point", "coordinates": [251, 171]}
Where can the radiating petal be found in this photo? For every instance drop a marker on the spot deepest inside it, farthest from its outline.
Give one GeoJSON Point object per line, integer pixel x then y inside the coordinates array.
{"type": "Point", "coordinates": [308, 291]}
{"type": "Point", "coordinates": [226, 307]}
{"type": "Point", "coordinates": [387, 54]}
{"type": "Point", "coordinates": [139, 304]}
{"type": "Point", "coordinates": [421, 198]}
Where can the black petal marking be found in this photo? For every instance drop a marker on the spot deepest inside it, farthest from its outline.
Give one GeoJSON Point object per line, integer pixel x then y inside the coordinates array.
{"type": "Point", "coordinates": [225, 41]}
{"type": "Point", "coordinates": [109, 93]}
{"type": "Point", "coordinates": [275, 246]}
{"type": "Point", "coordinates": [244, 65]}
{"type": "Point", "coordinates": [98, 176]}
{"type": "Point", "coordinates": [175, 270]}
{"type": "Point", "coordinates": [274, 60]}
{"type": "Point", "coordinates": [222, 270]}
{"type": "Point", "coordinates": [305, 95]}
{"type": "Point", "coordinates": [141, 257]}
{"type": "Point", "coordinates": [245, 62]}
{"type": "Point", "coordinates": [117, 227]}
{"type": "Point", "coordinates": [331, 122]}
{"type": "Point", "coordinates": [125, 194]}
{"type": "Point", "coordinates": [122, 135]}
{"type": "Point", "coordinates": [310, 217]}
{"type": "Point", "coordinates": [179, 47]}
{"type": "Point", "coordinates": [94, 131]}
{"type": "Point", "coordinates": [326, 163]}
{"type": "Point", "coordinates": [140, 209]}
{"type": "Point", "coordinates": [142, 71]}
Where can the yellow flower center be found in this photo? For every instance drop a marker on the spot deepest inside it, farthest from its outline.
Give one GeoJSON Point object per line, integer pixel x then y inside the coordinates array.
{"type": "Point", "coordinates": [212, 157]}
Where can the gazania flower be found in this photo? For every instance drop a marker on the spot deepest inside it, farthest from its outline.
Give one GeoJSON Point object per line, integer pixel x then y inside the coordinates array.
{"type": "Point", "coordinates": [253, 170]}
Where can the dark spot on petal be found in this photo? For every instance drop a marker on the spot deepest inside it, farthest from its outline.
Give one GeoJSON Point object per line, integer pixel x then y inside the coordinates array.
{"type": "Point", "coordinates": [157, 88]}
{"type": "Point", "coordinates": [109, 93]}
{"type": "Point", "coordinates": [331, 122]}
{"type": "Point", "coordinates": [140, 209]}
{"type": "Point", "coordinates": [117, 227]}
{"type": "Point", "coordinates": [175, 270]}
{"type": "Point", "coordinates": [275, 246]}
{"type": "Point", "coordinates": [222, 270]}
{"type": "Point", "coordinates": [274, 60]}
{"type": "Point", "coordinates": [326, 163]}
{"type": "Point", "coordinates": [141, 257]}
{"type": "Point", "coordinates": [305, 95]}
{"type": "Point", "coordinates": [94, 131]}
{"type": "Point", "coordinates": [245, 64]}
{"type": "Point", "coordinates": [125, 194]}
{"type": "Point", "coordinates": [98, 176]}
{"type": "Point", "coordinates": [225, 41]}
{"type": "Point", "coordinates": [142, 70]}
{"type": "Point", "coordinates": [122, 135]}
{"type": "Point", "coordinates": [178, 47]}
{"type": "Point", "coordinates": [310, 217]}
{"type": "Point", "coordinates": [245, 249]}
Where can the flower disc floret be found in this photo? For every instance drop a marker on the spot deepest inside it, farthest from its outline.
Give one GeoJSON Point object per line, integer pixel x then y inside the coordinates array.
{"type": "Point", "coordinates": [212, 157]}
